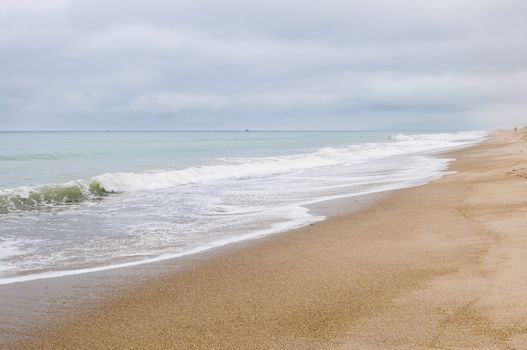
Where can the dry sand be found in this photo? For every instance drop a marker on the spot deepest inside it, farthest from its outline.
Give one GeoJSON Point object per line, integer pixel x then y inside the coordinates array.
{"type": "Point", "coordinates": [437, 266]}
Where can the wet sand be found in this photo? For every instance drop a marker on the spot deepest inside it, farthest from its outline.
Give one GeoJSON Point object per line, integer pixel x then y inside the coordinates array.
{"type": "Point", "coordinates": [437, 266]}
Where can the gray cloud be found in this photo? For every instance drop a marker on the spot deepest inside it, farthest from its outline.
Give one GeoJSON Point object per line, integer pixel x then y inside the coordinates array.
{"type": "Point", "coordinates": [233, 64]}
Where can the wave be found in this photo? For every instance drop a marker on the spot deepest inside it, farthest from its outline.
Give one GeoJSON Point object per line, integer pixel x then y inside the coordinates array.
{"type": "Point", "coordinates": [443, 137]}
{"type": "Point", "coordinates": [27, 198]}
{"type": "Point", "coordinates": [232, 168]}
{"type": "Point", "coordinates": [31, 198]}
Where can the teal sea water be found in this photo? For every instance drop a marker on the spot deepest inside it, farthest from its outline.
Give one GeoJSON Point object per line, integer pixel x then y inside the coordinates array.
{"type": "Point", "coordinates": [75, 202]}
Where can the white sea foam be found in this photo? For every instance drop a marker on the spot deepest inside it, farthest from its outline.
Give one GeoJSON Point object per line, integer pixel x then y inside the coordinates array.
{"type": "Point", "coordinates": [443, 137]}
{"type": "Point", "coordinates": [253, 167]}
{"type": "Point", "coordinates": [301, 218]}
{"type": "Point", "coordinates": [9, 248]}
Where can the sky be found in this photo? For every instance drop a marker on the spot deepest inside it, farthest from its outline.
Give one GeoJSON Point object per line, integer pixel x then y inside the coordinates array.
{"type": "Point", "coordinates": [236, 64]}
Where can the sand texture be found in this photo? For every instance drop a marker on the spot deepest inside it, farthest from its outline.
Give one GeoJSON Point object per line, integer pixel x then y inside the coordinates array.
{"type": "Point", "coordinates": [442, 265]}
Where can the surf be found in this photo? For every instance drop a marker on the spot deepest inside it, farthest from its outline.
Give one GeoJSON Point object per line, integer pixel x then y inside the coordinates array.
{"type": "Point", "coordinates": [26, 198]}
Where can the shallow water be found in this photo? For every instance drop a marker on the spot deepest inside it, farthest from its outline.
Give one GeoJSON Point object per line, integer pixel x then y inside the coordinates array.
{"type": "Point", "coordinates": [73, 202]}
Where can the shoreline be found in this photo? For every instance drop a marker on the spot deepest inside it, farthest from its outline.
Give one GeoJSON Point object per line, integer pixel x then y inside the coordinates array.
{"type": "Point", "coordinates": [324, 210]}
{"type": "Point", "coordinates": [54, 301]}
{"type": "Point", "coordinates": [365, 279]}
{"type": "Point", "coordinates": [290, 215]}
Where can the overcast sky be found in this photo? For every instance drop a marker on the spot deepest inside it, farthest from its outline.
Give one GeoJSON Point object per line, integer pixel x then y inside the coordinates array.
{"type": "Point", "coordinates": [190, 64]}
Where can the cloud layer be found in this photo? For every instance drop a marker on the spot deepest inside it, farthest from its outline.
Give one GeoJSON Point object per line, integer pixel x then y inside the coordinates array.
{"type": "Point", "coordinates": [410, 64]}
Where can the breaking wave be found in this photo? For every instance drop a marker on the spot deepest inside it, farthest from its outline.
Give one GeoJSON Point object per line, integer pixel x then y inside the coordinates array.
{"type": "Point", "coordinates": [38, 197]}
{"type": "Point", "coordinates": [27, 198]}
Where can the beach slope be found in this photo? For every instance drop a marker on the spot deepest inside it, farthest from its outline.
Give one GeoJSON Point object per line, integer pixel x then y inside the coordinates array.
{"type": "Point", "coordinates": [436, 266]}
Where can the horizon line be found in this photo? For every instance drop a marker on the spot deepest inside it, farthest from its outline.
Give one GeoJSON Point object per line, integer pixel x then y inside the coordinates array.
{"type": "Point", "coordinates": [228, 130]}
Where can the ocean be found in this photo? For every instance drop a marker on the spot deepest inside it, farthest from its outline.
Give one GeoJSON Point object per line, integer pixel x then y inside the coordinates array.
{"type": "Point", "coordinates": [75, 202]}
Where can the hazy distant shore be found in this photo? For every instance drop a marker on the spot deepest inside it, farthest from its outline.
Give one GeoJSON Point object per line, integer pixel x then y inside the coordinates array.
{"type": "Point", "coordinates": [440, 265]}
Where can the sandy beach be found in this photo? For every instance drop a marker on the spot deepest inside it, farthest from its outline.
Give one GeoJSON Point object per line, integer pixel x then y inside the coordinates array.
{"type": "Point", "coordinates": [436, 266]}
